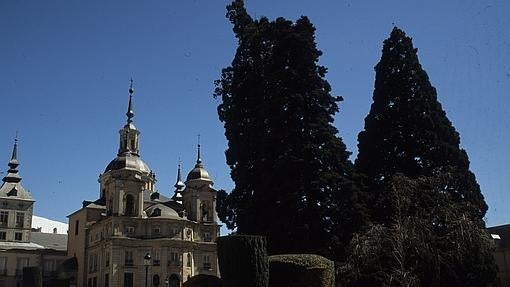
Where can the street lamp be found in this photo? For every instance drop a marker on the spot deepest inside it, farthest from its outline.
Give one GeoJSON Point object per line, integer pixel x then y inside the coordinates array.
{"type": "Point", "coordinates": [146, 263]}
{"type": "Point", "coordinates": [166, 281]}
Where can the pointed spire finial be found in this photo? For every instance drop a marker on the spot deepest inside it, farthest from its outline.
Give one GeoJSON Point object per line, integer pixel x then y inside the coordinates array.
{"type": "Point", "coordinates": [130, 114]}
{"type": "Point", "coordinates": [14, 156]}
{"type": "Point", "coordinates": [199, 158]}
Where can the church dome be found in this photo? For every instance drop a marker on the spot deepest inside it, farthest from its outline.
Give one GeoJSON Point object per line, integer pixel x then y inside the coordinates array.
{"type": "Point", "coordinates": [128, 161]}
{"type": "Point", "coordinates": [198, 173]}
{"type": "Point", "coordinates": [162, 211]}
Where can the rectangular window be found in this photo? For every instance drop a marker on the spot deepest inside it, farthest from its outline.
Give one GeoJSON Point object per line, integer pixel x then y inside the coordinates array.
{"type": "Point", "coordinates": [207, 262]}
{"type": "Point", "coordinates": [3, 265]}
{"type": "Point", "coordinates": [173, 258]}
{"type": "Point", "coordinates": [91, 261]}
{"type": "Point", "coordinates": [95, 263]}
{"type": "Point", "coordinates": [128, 279]}
{"type": "Point", "coordinates": [3, 235]}
{"type": "Point", "coordinates": [207, 236]}
{"type": "Point", "coordinates": [18, 236]}
{"type": "Point", "coordinates": [128, 258]}
{"type": "Point", "coordinates": [106, 281]}
{"type": "Point", "coordinates": [20, 219]}
{"type": "Point", "coordinates": [130, 229]}
{"type": "Point", "coordinates": [94, 282]}
{"type": "Point", "coordinates": [156, 258]}
{"type": "Point", "coordinates": [49, 267]}
{"type": "Point", "coordinates": [4, 217]}
{"type": "Point", "coordinates": [107, 258]}
{"type": "Point", "coordinates": [76, 227]}
{"type": "Point", "coordinates": [21, 263]}
{"type": "Point", "coordinates": [156, 230]}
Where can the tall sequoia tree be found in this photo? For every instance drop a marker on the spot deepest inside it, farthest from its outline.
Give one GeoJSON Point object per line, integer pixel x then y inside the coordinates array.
{"type": "Point", "coordinates": [291, 172]}
{"type": "Point", "coordinates": [408, 134]}
{"type": "Point", "coordinates": [407, 131]}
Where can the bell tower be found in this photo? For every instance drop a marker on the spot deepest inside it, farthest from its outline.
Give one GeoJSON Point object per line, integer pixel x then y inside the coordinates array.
{"type": "Point", "coordinates": [199, 198]}
{"type": "Point", "coordinates": [127, 177]}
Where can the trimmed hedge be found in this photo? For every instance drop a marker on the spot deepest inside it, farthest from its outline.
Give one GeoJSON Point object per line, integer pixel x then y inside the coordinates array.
{"type": "Point", "coordinates": [243, 261]}
{"type": "Point", "coordinates": [203, 280]}
{"type": "Point", "coordinates": [300, 270]}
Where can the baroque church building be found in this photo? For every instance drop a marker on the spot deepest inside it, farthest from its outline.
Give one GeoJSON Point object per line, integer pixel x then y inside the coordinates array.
{"type": "Point", "coordinates": [134, 236]}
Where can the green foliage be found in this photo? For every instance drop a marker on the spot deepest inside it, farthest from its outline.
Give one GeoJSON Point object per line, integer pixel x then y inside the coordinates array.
{"type": "Point", "coordinates": [407, 131]}
{"type": "Point", "coordinates": [243, 261]}
{"type": "Point", "coordinates": [300, 270]}
{"type": "Point", "coordinates": [428, 226]}
{"type": "Point", "coordinates": [427, 243]}
{"type": "Point", "coordinates": [291, 172]}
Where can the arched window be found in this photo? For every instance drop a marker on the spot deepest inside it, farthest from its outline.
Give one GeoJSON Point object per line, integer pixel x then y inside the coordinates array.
{"type": "Point", "coordinates": [173, 280]}
{"type": "Point", "coordinates": [204, 209]}
{"type": "Point", "coordinates": [130, 205]}
{"type": "Point", "coordinates": [155, 280]}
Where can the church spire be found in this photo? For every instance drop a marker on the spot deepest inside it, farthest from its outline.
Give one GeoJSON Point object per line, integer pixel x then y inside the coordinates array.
{"type": "Point", "coordinates": [130, 113]}
{"type": "Point", "coordinates": [129, 134]}
{"type": "Point", "coordinates": [12, 172]}
{"type": "Point", "coordinates": [199, 158]}
{"type": "Point", "coordinates": [179, 186]}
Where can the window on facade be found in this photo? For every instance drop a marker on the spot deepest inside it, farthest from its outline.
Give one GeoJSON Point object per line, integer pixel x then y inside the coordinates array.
{"type": "Point", "coordinates": [128, 258]}
{"type": "Point", "coordinates": [188, 261]}
{"type": "Point", "coordinates": [106, 280]}
{"type": "Point", "coordinates": [130, 205]}
{"type": "Point", "coordinates": [156, 212]}
{"type": "Point", "coordinates": [18, 236]}
{"type": "Point", "coordinates": [207, 262]}
{"type": "Point", "coordinates": [21, 263]}
{"type": "Point", "coordinates": [91, 261]}
{"type": "Point", "coordinates": [156, 230]}
{"type": "Point", "coordinates": [107, 258]}
{"type": "Point", "coordinates": [4, 217]}
{"type": "Point", "coordinates": [95, 263]}
{"type": "Point", "coordinates": [49, 267]}
{"type": "Point", "coordinates": [156, 258]}
{"type": "Point", "coordinates": [207, 236]}
{"type": "Point", "coordinates": [20, 218]}
{"type": "Point", "coordinates": [155, 280]}
{"type": "Point", "coordinates": [76, 227]}
{"type": "Point", "coordinates": [94, 282]}
{"type": "Point", "coordinates": [173, 258]}
{"type": "Point", "coordinates": [3, 265]}
{"type": "Point", "coordinates": [3, 235]}
{"type": "Point", "coordinates": [128, 279]}
{"type": "Point", "coordinates": [130, 229]}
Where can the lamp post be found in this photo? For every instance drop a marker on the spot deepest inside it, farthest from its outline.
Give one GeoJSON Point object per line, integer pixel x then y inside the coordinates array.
{"type": "Point", "coordinates": [146, 263]}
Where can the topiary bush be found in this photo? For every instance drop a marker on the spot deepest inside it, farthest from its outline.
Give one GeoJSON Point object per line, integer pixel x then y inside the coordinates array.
{"type": "Point", "coordinates": [203, 280]}
{"type": "Point", "coordinates": [300, 270]}
{"type": "Point", "coordinates": [243, 261]}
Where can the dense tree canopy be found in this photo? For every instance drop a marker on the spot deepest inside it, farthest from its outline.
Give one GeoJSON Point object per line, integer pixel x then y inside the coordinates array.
{"type": "Point", "coordinates": [428, 242]}
{"type": "Point", "coordinates": [291, 171]}
{"type": "Point", "coordinates": [407, 131]}
{"type": "Point", "coordinates": [427, 209]}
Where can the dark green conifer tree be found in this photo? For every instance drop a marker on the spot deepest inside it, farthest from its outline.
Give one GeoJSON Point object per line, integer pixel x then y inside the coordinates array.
{"type": "Point", "coordinates": [407, 131]}
{"type": "Point", "coordinates": [291, 172]}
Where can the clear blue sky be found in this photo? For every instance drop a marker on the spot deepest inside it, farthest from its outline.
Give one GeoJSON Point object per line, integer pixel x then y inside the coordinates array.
{"type": "Point", "coordinates": [65, 68]}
